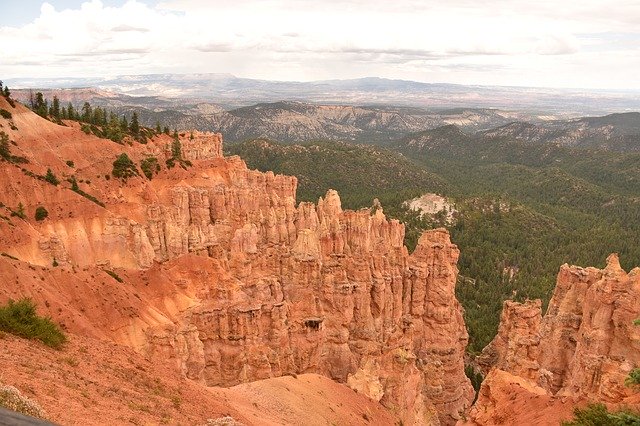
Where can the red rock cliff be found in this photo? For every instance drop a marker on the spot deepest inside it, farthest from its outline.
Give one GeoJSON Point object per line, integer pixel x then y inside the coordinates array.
{"type": "Point", "coordinates": [225, 274]}
{"type": "Point", "coordinates": [582, 349]}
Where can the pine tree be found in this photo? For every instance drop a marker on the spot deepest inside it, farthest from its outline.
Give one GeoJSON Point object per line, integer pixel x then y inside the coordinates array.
{"type": "Point", "coordinates": [124, 125]}
{"type": "Point", "coordinates": [40, 106]}
{"type": "Point", "coordinates": [7, 93]}
{"type": "Point", "coordinates": [134, 126]}
{"type": "Point", "coordinates": [55, 108]}
{"type": "Point", "coordinates": [71, 113]}
{"type": "Point", "coordinates": [87, 114]}
{"type": "Point", "coordinates": [51, 178]}
{"type": "Point", "coordinates": [158, 128]}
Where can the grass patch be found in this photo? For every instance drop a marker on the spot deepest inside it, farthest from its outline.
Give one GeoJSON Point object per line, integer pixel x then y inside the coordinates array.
{"type": "Point", "coordinates": [20, 318]}
{"type": "Point", "coordinates": [597, 414]}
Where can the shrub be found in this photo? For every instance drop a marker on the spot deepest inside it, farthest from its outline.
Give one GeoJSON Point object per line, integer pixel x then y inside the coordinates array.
{"type": "Point", "coordinates": [114, 276]}
{"type": "Point", "coordinates": [5, 114]}
{"type": "Point", "coordinates": [70, 163]}
{"type": "Point", "coordinates": [20, 318]}
{"type": "Point", "coordinates": [51, 178]}
{"type": "Point", "coordinates": [41, 213]}
{"type": "Point", "coordinates": [75, 188]}
{"type": "Point", "coordinates": [19, 212]}
{"type": "Point", "coordinates": [597, 415]}
{"type": "Point", "coordinates": [633, 378]}
{"type": "Point", "coordinates": [124, 168]}
{"type": "Point", "coordinates": [150, 166]}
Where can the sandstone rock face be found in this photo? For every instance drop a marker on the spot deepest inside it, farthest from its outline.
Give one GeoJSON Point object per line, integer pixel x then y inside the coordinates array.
{"type": "Point", "coordinates": [328, 291]}
{"type": "Point", "coordinates": [231, 279]}
{"type": "Point", "coordinates": [516, 346]}
{"type": "Point", "coordinates": [583, 348]}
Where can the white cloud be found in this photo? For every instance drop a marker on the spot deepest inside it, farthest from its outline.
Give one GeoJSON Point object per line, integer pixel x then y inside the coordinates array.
{"type": "Point", "coordinates": [464, 41]}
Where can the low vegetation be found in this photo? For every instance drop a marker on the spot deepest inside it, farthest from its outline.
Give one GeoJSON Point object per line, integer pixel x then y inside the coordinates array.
{"type": "Point", "coordinates": [124, 168]}
{"type": "Point", "coordinates": [5, 151]}
{"type": "Point", "coordinates": [20, 318]}
{"type": "Point", "coordinates": [41, 213]}
{"type": "Point", "coordinates": [76, 188]}
{"type": "Point", "coordinates": [114, 275]}
{"type": "Point", "coordinates": [176, 154]}
{"type": "Point", "coordinates": [150, 167]}
{"type": "Point", "coordinates": [598, 415]}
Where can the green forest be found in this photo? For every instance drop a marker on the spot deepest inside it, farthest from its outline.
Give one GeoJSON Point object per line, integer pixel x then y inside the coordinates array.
{"type": "Point", "coordinates": [521, 207]}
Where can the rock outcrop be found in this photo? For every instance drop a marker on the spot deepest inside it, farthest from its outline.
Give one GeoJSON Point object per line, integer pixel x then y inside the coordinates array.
{"type": "Point", "coordinates": [225, 274]}
{"type": "Point", "coordinates": [583, 348]}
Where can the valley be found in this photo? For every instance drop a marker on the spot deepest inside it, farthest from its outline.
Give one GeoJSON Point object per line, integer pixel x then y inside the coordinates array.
{"type": "Point", "coordinates": [172, 247]}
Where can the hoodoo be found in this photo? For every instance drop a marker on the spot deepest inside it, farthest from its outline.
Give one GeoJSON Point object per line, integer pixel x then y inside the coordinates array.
{"type": "Point", "coordinates": [219, 270]}
{"type": "Point", "coordinates": [581, 351]}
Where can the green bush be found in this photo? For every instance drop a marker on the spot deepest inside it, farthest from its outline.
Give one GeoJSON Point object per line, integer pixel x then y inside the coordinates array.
{"type": "Point", "coordinates": [51, 178]}
{"type": "Point", "coordinates": [598, 415]}
{"type": "Point", "coordinates": [19, 212]}
{"type": "Point", "coordinates": [70, 163]}
{"type": "Point", "coordinates": [150, 166]}
{"type": "Point", "coordinates": [41, 213]}
{"type": "Point", "coordinates": [114, 275]}
{"type": "Point", "coordinates": [124, 168]}
{"type": "Point", "coordinates": [5, 114]}
{"type": "Point", "coordinates": [20, 318]}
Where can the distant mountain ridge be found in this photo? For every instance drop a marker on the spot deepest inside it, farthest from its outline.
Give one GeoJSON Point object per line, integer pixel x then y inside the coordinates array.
{"type": "Point", "coordinates": [232, 92]}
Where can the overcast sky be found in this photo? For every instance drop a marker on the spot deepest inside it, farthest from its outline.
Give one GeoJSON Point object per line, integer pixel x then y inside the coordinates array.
{"type": "Point", "coordinates": [569, 43]}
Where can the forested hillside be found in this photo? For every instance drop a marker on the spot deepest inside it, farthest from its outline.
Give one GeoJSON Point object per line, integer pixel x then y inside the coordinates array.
{"type": "Point", "coordinates": [523, 209]}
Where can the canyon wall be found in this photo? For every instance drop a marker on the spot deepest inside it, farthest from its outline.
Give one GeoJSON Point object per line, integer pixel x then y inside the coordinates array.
{"type": "Point", "coordinates": [225, 274]}
{"type": "Point", "coordinates": [582, 349]}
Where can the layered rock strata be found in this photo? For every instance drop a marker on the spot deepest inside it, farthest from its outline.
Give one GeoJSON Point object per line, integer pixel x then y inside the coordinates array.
{"type": "Point", "coordinates": [583, 348]}
{"type": "Point", "coordinates": [286, 288]}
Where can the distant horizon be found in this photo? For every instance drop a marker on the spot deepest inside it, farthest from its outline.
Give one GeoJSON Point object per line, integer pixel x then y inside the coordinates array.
{"type": "Point", "coordinates": [231, 75]}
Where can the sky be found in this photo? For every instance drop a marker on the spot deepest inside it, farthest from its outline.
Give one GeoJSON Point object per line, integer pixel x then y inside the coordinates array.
{"type": "Point", "coordinates": [543, 43]}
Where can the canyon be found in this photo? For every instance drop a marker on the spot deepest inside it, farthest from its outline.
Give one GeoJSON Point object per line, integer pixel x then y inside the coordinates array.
{"type": "Point", "coordinates": [222, 274]}
{"type": "Point", "coordinates": [214, 278]}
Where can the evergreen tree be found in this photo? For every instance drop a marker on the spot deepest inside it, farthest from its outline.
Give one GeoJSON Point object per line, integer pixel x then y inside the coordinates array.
{"type": "Point", "coordinates": [51, 178]}
{"type": "Point", "coordinates": [63, 113]}
{"type": "Point", "coordinates": [124, 125]}
{"type": "Point", "coordinates": [7, 93]}
{"type": "Point", "coordinates": [71, 113]}
{"type": "Point", "coordinates": [87, 114]}
{"type": "Point", "coordinates": [40, 106]}
{"type": "Point", "coordinates": [134, 126]}
{"type": "Point", "coordinates": [55, 108]}
{"type": "Point", "coordinates": [158, 128]}
{"type": "Point", "coordinates": [166, 130]}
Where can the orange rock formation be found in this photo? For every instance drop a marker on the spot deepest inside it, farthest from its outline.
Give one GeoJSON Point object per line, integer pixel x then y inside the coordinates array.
{"type": "Point", "coordinates": [581, 350]}
{"type": "Point", "coordinates": [225, 275]}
